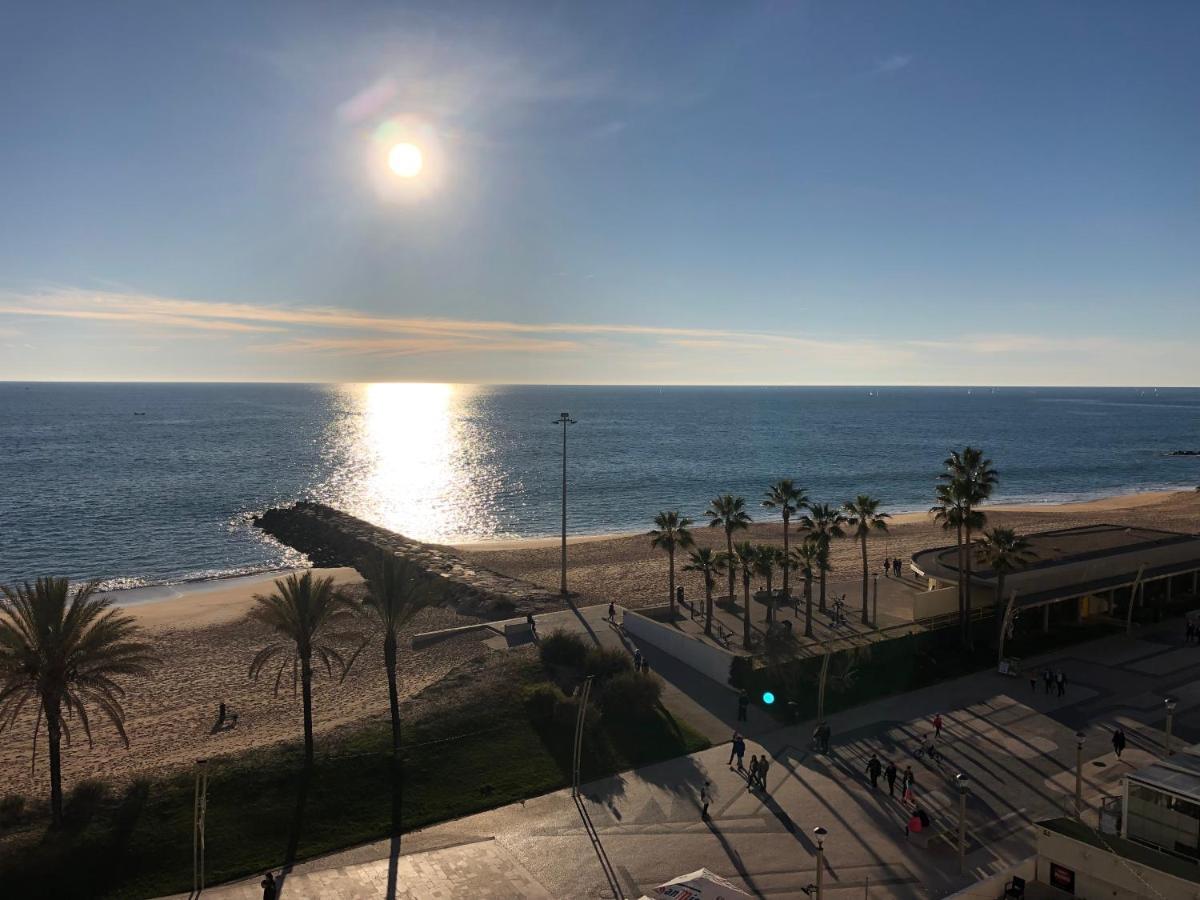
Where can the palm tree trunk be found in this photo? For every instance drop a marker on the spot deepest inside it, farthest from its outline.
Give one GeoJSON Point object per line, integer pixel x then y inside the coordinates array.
{"type": "Point", "coordinates": [1001, 610]}
{"type": "Point", "coordinates": [708, 610]}
{"type": "Point", "coordinates": [671, 579]}
{"type": "Point", "coordinates": [389, 662]}
{"type": "Point", "coordinates": [746, 612]}
{"type": "Point", "coordinates": [822, 606]}
{"type": "Point", "coordinates": [808, 606]}
{"type": "Point", "coordinates": [967, 590]}
{"type": "Point", "coordinates": [786, 582]}
{"type": "Point", "coordinates": [962, 616]}
{"type": "Point", "coordinates": [865, 618]}
{"type": "Point", "coordinates": [306, 694]}
{"type": "Point", "coordinates": [54, 735]}
{"type": "Point", "coordinates": [729, 556]}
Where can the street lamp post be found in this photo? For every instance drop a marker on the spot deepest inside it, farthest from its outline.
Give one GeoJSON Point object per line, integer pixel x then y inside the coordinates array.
{"type": "Point", "coordinates": [963, 783]}
{"type": "Point", "coordinates": [1170, 704]}
{"type": "Point", "coordinates": [819, 833]}
{"type": "Point", "coordinates": [564, 419]}
{"type": "Point", "coordinates": [875, 602]}
{"type": "Point", "coordinates": [1079, 738]}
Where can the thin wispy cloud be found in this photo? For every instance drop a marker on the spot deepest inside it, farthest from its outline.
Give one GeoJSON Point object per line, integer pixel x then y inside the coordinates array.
{"type": "Point", "coordinates": [892, 64]}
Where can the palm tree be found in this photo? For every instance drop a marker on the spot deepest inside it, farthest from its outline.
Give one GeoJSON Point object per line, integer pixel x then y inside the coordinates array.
{"type": "Point", "coordinates": [710, 563]}
{"type": "Point", "coordinates": [766, 558]}
{"type": "Point", "coordinates": [671, 533]}
{"type": "Point", "coordinates": [1004, 551]}
{"type": "Point", "coordinates": [787, 497]}
{"type": "Point", "coordinates": [974, 480]}
{"type": "Point", "coordinates": [863, 515]}
{"type": "Point", "coordinates": [745, 557]}
{"type": "Point", "coordinates": [307, 613]}
{"type": "Point", "coordinates": [824, 522]}
{"type": "Point", "coordinates": [396, 591]}
{"type": "Point", "coordinates": [728, 512]}
{"type": "Point", "coordinates": [807, 558]}
{"type": "Point", "coordinates": [65, 650]}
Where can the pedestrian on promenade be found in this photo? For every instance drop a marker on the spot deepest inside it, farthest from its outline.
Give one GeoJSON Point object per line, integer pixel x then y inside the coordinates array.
{"type": "Point", "coordinates": [764, 764]}
{"type": "Point", "coordinates": [1047, 679]}
{"type": "Point", "coordinates": [270, 890]}
{"type": "Point", "coordinates": [705, 799]}
{"type": "Point", "coordinates": [896, 566]}
{"type": "Point", "coordinates": [1032, 682]}
{"type": "Point", "coordinates": [612, 613]}
{"type": "Point", "coordinates": [874, 770]}
{"type": "Point", "coordinates": [637, 660]}
{"type": "Point", "coordinates": [1118, 741]}
{"type": "Point", "coordinates": [889, 775]}
{"type": "Point", "coordinates": [887, 566]}
{"type": "Point", "coordinates": [1060, 679]}
{"type": "Point", "coordinates": [532, 625]}
{"type": "Point", "coordinates": [937, 725]}
{"type": "Point", "coordinates": [737, 748]}
{"type": "Point", "coordinates": [906, 795]}
{"type": "Point", "coordinates": [743, 705]}
{"type": "Point", "coordinates": [752, 775]}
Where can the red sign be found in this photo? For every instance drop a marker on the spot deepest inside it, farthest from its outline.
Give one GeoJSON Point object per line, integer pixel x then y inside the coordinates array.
{"type": "Point", "coordinates": [1062, 877]}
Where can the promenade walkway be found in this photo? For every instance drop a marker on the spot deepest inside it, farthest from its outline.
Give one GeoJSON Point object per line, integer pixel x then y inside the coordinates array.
{"type": "Point", "coordinates": [1016, 746]}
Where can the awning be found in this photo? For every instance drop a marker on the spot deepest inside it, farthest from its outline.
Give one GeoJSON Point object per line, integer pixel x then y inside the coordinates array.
{"type": "Point", "coordinates": [699, 885]}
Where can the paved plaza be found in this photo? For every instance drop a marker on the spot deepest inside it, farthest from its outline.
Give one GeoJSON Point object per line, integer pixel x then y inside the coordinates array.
{"type": "Point", "coordinates": [634, 830]}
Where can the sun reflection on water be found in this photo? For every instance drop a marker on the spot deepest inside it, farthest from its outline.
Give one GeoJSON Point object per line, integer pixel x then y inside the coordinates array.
{"type": "Point", "coordinates": [409, 457]}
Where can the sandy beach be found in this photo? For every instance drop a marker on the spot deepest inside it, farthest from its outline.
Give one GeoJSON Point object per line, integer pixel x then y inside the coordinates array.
{"type": "Point", "coordinates": [205, 641]}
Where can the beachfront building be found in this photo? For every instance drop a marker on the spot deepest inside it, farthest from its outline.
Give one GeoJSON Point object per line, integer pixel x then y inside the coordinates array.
{"type": "Point", "coordinates": [1147, 843]}
{"type": "Point", "coordinates": [1093, 570]}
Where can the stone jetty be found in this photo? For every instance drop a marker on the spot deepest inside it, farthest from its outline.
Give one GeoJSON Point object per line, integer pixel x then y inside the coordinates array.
{"type": "Point", "coordinates": [330, 537]}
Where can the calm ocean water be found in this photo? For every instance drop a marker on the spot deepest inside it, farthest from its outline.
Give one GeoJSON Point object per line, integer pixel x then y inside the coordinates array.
{"type": "Point", "coordinates": [146, 484]}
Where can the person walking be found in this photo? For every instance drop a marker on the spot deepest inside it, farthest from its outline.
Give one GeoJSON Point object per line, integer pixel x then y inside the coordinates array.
{"type": "Point", "coordinates": [889, 775]}
{"type": "Point", "coordinates": [752, 774]}
{"type": "Point", "coordinates": [764, 763]}
{"type": "Point", "coordinates": [705, 799]}
{"type": "Point", "coordinates": [1118, 741]}
{"type": "Point", "coordinates": [612, 613]}
{"type": "Point", "coordinates": [874, 770]}
{"type": "Point", "coordinates": [736, 748]}
{"type": "Point", "coordinates": [1047, 679]}
{"type": "Point", "coordinates": [906, 795]}
{"type": "Point", "coordinates": [1060, 679]}
{"type": "Point", "coordinates": [887, 567]}
{"type": "Point", "coordinates": [743, 705]}
{"type": "Point", "coordinates": [739, 747]}
{"type": "Point", "coordinates": [1033, 682]}
{"type": "Point", "coordinates": [896, 566]}
{"type": "Point", "coordinates": [270, 888]}
{"type": "Point", "coordinates": [637, 660]}
{"type": "Point", "coordinates": [937, 725]}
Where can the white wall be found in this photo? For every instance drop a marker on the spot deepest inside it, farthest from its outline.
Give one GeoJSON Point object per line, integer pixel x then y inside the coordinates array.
{"type": "Point", "coordinates": [692, 651]}
{"type": "Point", "coordinates": [993, 887]}
{"type": "Point", "coordinates": [1099, 873]}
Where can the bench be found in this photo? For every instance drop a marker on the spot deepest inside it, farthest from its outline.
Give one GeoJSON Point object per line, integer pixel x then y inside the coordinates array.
{"type": "Point", "coordinates": [517, 629]}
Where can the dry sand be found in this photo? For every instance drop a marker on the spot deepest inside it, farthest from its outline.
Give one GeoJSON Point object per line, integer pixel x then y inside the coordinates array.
{"type": "Point", "coordinates": [205, 641]}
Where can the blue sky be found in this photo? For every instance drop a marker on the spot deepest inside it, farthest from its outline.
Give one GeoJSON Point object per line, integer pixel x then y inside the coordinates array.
{"type": "Point", "coordinates": [845, 193]}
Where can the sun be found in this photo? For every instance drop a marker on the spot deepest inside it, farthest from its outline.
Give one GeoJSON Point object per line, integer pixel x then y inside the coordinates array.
{"type": "Point", "coordinates": [406, 160]}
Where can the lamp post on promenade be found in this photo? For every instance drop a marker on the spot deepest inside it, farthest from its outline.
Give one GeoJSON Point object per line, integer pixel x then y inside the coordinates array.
{"type": "Point", "coordinates": [875, 602]}
{"type": "Point", "coordinates": [819, 833]}
{"type": "Point", "coordinates": [564, 419]}
{"type": "Point", "coordinates": [1170, 704]}
{"type": "Point", "coordinates": [1079, 738]}
{"type": "Point", "coordinates": [963, 782]}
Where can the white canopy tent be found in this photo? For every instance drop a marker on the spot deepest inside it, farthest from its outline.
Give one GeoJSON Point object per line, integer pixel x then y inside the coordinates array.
{"type": "Point", "coordinates": [699, 885]}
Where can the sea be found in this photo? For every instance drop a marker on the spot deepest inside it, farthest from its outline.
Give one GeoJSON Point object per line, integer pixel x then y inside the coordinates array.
{"type": "Point", "coordinates": [157, 484]}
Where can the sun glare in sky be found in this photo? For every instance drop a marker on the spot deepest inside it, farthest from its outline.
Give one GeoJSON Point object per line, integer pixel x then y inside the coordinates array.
{"type": "Point", "coordinates": [405, 160]}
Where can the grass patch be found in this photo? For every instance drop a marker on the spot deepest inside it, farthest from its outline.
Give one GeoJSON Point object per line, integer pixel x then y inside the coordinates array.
{"type": "Point", "coordinates": [472, 746]}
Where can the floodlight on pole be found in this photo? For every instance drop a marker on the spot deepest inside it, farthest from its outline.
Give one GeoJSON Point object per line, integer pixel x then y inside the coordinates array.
{"type": "Point", "coordinates": [1170, 703]}
{"type": "Point", "coordinates": [963, 783]}
{"type": "Point", "coordinates": [1079, 739]}
{"type": "Point", "coordinates": [819, 833]}
{"type": "Point", "coordinates": [564, 419]}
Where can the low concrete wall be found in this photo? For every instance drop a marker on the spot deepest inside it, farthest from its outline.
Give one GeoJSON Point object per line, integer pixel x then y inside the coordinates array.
{"type": "Point", "coordinates": [1099, 873]}
{"type": "Point", "coordinates": [941, 602]}
{"type": "Point", "coordinates": [692, 651]}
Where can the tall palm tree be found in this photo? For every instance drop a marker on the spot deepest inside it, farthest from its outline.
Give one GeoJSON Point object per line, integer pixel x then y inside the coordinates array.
{"type": "Point", "coordinates": [710, 563]}
{"type": "Point", "coordinates": [307, 614]}
{"type": "Point", "coordinates": [65, 650]}
{"type": "Point", "coordinates": [824, 522]}
{"type": "Point", "coordinates": [863, 515]}
{"type": "Point", "coordinates": [807, 558]}
{"type": "Point", "coordinates": [729, 513]}
{"type": "Point", "coordinates": [397, 590]}
{"type": "Point", "coordinates": [745, 558]}
{"type": "Point", "coordinates": [789, 498]}
{"type": "Point", "coordinates": [671, 533]}
{"type": "Point", "coordinates": [974, 479]}
{"type": "Point", "coordinates": [1004, 551]}
{"type": "Point", "coordinates": [766, 559]}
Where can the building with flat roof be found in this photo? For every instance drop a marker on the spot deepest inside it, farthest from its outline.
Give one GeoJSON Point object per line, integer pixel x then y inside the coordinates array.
{"type": "Point", "coordinates": [1098, 568]}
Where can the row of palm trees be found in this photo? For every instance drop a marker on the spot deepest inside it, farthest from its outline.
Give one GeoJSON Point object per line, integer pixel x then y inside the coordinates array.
{"type": "Point", "coordinates": [819, 523]}
{"type": "Point", "coordinates": [65, 652]}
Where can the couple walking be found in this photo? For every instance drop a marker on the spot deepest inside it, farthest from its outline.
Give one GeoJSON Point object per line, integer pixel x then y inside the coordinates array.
{"type": "Point", "coordinates": [756, 776]}
{"type": "Point", "coordinates": [875, 768]}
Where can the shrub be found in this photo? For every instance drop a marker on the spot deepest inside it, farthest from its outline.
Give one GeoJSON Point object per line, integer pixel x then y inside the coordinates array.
{"type": "Point", "coordinates": [566, 711]}
{"type": "Point", "coordinates": [603, 663]}
{"type": "Point", "coordinates": [12, 810]}
{"type": "Point", "coordinates": [541, 700]}
{"type": "Point", "coordinates": [563, 648]}
{"type": "Point", "coordinates": [631, 694]}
